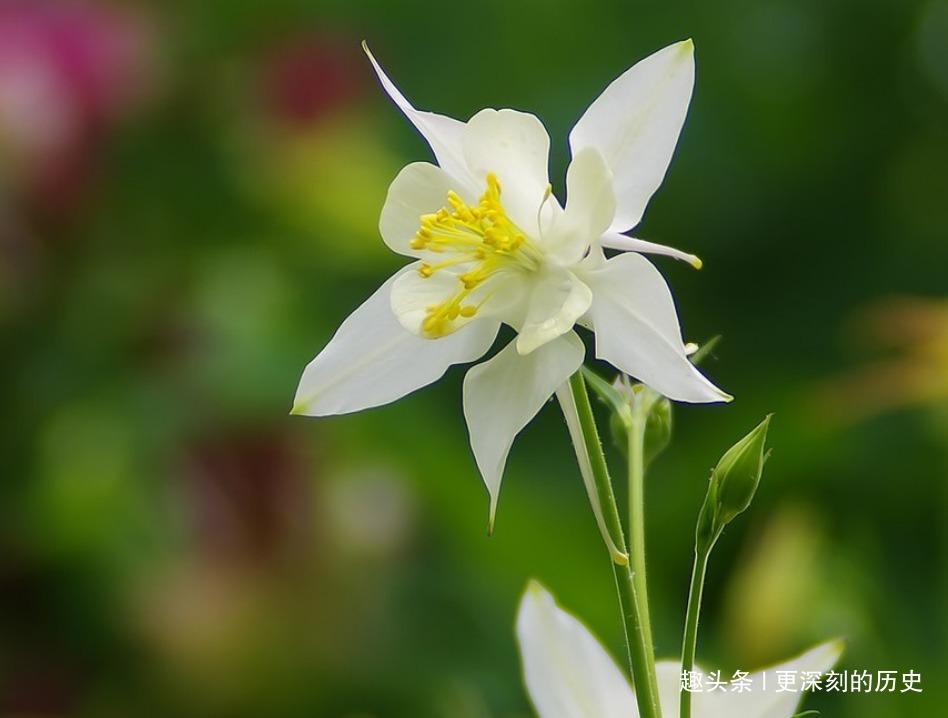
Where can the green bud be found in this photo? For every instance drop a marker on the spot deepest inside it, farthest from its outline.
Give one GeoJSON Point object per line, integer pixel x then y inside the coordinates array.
{"type": "Point", "coordinates": [707, 531]}
{"type": "Point", "coordinates": [619, 427]}
{"type": "Point", "coordinates": [658, 417]}
{"type": "Point", "coordinates": [658, 428]}
{"type": "Point", "coordinates": [735, 478]}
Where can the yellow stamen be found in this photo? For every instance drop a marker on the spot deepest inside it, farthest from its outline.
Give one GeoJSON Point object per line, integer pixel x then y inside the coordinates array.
{"type": "Point", "coordinates": [482, 236]}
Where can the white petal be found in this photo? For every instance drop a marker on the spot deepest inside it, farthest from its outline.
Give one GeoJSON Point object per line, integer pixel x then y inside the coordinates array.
{"type": "Point", "coordinates": [503, 394]}
{"type": "Point", "coordinates": [589, 196]}
{"type": "Point", "coordinates": [413, 294]}
{"type": "Point", "coordinates": [633, 315]}
{"type": "Point", "coordinates": [515, 147]}
{"type": "Point", "coordinates": [635, 124]}
{"type": "Point", "coordinates": [668, 677]}
{"type": "Point", "coordinates": [557, 300]}
{"type": "Point", "coordinates": [614, 240]}
{"type": "Point", "coordinates": [373, 360]}
{"type": "Point", "coordinates": [590, 207]}
{"type": "Point", "coordinates": [766, 700]}
{"type": "Point", "coordinates": [420, 188]}
{"type": "Point", "coordinates": [567, 672]}
{"type": "Point", "coordinates": [443, 134]}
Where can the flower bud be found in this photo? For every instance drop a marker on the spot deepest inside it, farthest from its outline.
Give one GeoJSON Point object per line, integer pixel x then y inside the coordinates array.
{"type": "Point", "coordinates": [658, 428]}
{"type": "Point", "coordinates": [658, 418]}
{"type": "Point", "coordinates": [707, 531]}
{"type": "Point", "coordinates": [737, 474]}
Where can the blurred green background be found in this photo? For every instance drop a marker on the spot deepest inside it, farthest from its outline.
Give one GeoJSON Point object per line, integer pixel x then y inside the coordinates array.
{"type": "Point", "coordinates": [189, 194]}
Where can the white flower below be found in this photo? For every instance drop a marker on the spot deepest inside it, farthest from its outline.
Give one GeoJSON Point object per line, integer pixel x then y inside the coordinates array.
{"type": "Point", "coordinates": [569, 674]}
{"type": "Point", "coordinates": [491, 245]}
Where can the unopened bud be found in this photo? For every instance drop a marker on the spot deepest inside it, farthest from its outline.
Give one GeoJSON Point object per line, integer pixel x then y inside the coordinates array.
{"type": "Point", "coordinates": [658, 428]}
{"type": "Point", "coordinates": [737, 474]}
{"type": "Point", "coordinates": [658, 417]}
{"type": "Point", "coordinates": [707, 531]}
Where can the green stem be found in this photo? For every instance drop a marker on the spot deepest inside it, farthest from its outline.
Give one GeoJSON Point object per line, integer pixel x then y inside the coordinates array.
{"type": "Point", "coordinates": [690, 642]}
{"type": "Point", "coordinates": [636, 445]}
{"type": "Point", "coordinates": [641, 655]}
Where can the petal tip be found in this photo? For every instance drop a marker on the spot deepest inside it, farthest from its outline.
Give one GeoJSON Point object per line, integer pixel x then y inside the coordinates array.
{"type": "Point", "coordinates": [372, 60]}
{"type": "Point", "coordinates": [299, 409]}
{"type": "Point", "coordinates": [383, 78]}
{"type": "Point", "coordinates": [525, 345]}
{"type": "Point", "coordinates": [835, 649]}
{"type": "Point", "coordinates": [303, 404]}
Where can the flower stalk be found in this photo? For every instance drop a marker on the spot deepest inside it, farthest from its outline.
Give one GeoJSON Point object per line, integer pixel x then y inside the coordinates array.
{"type": "Point", "coordinates": [636, 458]}
{"type": "Point", "coordinates": [690, 640]}
{"type": "Point", "coordinates": [731, 489]}
{"type": "Point", "coordinates": [633, 605]}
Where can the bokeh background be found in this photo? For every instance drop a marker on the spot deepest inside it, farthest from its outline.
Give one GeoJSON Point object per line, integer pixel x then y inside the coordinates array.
{"type": "Point", "coordinates": [189, 194]}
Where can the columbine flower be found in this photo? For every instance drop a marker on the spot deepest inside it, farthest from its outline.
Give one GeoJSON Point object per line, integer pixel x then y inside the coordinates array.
{"type": "Point", "coordinates": [492, 245]}
{"type": "Point", "coordinates": [570, 675]}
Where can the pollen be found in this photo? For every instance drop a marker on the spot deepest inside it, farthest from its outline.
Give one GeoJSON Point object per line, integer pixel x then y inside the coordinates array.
{"type": "Point", "coordinates": [480, 241]}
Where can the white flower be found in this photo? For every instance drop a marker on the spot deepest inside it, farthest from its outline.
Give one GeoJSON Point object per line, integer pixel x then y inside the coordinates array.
{"type": "Point", "coordinates": [492, 245]}
{"type": "Point", "coordinates": [570, 675]}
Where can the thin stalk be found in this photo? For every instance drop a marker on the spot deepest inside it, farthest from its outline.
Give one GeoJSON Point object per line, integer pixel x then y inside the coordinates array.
{"type": "Point", "coordinates": [690, 642]}
{"type": "Point", "coordinates": [641, 655]}
{"type": "Point", "coordinates": [636, 453]}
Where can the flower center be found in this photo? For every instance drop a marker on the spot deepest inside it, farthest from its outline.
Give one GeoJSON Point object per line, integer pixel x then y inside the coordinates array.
{"type": "Point", "coordinates": [480, 240]}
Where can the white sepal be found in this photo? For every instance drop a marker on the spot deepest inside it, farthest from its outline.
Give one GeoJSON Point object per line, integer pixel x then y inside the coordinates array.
{"type": "Point", "coordinates": [373, 360]}
{"type": "Point", "coordinates": [635, 124]}
{"type": "Point", "coordinates": [633, 316]}
{"type": "Point", "coordinates": [503, 394]}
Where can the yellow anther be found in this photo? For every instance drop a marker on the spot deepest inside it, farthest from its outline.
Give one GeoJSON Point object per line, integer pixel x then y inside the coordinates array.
{"type": "Point", "coordinates": [431, 323]}
{"type": "Point", "coordinates": [455, 199]}
{"type": "Point", "coordinates": [478, 237]}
